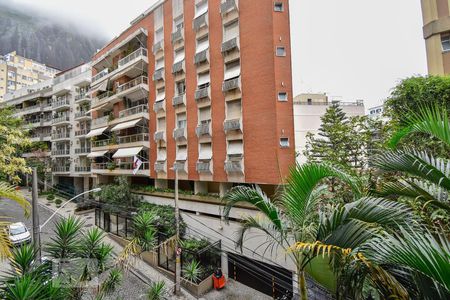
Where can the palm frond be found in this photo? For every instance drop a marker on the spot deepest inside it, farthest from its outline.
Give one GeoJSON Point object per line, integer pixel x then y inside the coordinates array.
{"type": "Point", "coordinates": [430, 120]}
{"type": "Point", "coordinates": [9, 192]}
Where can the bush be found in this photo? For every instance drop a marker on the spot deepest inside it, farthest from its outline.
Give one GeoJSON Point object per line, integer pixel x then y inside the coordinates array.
{"type": "Point", "coordinates": [51, 197]}
{"type": "Point", "coordinates": [58, 202]}
{"type": "Point", "coordinates": [165, 220]}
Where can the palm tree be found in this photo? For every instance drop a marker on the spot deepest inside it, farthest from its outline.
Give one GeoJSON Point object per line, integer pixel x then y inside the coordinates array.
{"type": "Point", "coordinates": [8, 191]}
{"type": "Point", "coordinates": [293, 216]}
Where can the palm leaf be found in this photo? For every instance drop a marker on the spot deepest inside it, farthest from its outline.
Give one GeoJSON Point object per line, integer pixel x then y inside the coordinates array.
{"type": "Point", "coordinates": [9, 191]}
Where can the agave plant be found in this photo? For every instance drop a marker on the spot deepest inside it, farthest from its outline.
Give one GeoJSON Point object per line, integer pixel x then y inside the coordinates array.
{"type": "Point", "coordinates": [66, 242]}
{"type": "Point", "coordinates": [192, 271]}
{"type": "Point", "coordinates": [157, 291]}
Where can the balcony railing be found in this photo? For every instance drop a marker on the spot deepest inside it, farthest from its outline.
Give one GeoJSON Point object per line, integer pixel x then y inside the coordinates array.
{"type": "Point", "coordinates": [230, 45]}
{"type": "Point", "coordinates": [82, 97]}
{"type": "Point", "coordinates": [202, 93]}
{"type": "Point", "coordinates": [201, 57]}
{"type": "Point", "coordinates": [130, 84]}
{"type": "Point", "coordinates": [132, 56]}
{"type": "Point", "coordinates": [158, 46]}
{"type": "Point", "coordinates": [102, 97]}
{"type": "Point", "coordinates": [160, 105]}
{"type": "Point", "coordinates": [101, 143]}
{"type": "Point", "coordinates": [100, 121]}
{"type": "Point", "coordinates": [178, 67]}
{"type": "Point", "coordinates": [61, 169]}
{"type": "Point", "coordinates": [232, 166]}
{"type": "Point", "coordinates": [140, 137]}
{"type": "Point", "coordinates": [179, 133]}
{"type": "Point", "coordinates": [60, 103]}
{"type": "Point", "coordinates": [60, 119]}
{"type": "Point", "coordinates": [160, 136]}
{"type": "Point", "coordinates": [100, 75]}
{"type": "Point", "coordinates": [177, 36]}
{"type": "Point", "coordinates": [82, 169]}
{"type": "Point", "coordinates": [82, 114]}
{"type": "Point", "coordinates": [203, 167]}
{"type": "Point", "coordinates": [227, 6]}
{"type": "Point", "coordinates": [83, 150]}
{"type": "Point", "coordinates": [82, 132]}
{"type": "Point", "coordinates": [158, 75]}
{"type": "Point", "coordinates": [37, 106]}
{"type": "Point", "coordinates": [121, 166]}
{"type": "Point", "coordinates": [200, 22]}
{"type": "Point", "coordinates": [178, 100]}
{"type": "Point", "coordinates": [143, 108]}
{"type": "Point", "coordinates": [179, 166]}
{"type": "Point", "coordinates": [234, 124]}
{"type": "Point", "coordinates": [160, 166]}
{"type": "Point", "coordinates": [60, 152]}
{"type": "Point", "coordinates": [231, 84]}
{"type": "Point", "coordinates": [58, 136]}
{"type": "Point", "coordinates": [203, 129]}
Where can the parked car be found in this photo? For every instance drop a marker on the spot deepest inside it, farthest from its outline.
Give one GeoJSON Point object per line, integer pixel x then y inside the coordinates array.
{"type": "Point", "coordinates": [18, 234]}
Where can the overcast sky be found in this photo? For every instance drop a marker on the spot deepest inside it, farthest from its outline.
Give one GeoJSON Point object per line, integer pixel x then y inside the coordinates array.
{"type": "Point", "coordinates": [350, 49]}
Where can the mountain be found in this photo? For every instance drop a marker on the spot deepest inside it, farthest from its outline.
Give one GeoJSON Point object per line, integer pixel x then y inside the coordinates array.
{"type": "Point", "coordinates": [45, 40]}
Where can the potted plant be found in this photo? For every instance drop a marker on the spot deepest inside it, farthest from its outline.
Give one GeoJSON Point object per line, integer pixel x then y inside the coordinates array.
{"type": "Point", "coordinates": [111, 165]}
{"type": "Point", "coordinates": [50, 198]}
{"type": "Point", "coordinates": [192, 272]}
{"type": "Point", "coordinates": [58, 203]}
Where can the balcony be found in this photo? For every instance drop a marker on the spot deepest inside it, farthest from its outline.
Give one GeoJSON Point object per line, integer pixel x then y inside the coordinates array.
{"type": "Point", "coordinates": [179, 100]}
{"type": "Point", "coordinates": [203, 167]}
{"type": "Point", "coordinates": [180, 166]}
{"type": "Point", "coordinates": [179, 133]}
{"type": "Point", "coordinates": [82, 132]}
{"type": "Point", "coordinates": [159, 106]}
{"type": "Point", "coordinates": [230, 125]}
{"type": "Point", "coordinates": [82, 115]}
{"type": "Point", "coordinates": [102, 98]}
{"type": "Point", "coordinates": [230, 45]}
{"type": "Point", "coordinates": [82, 169]}
{"type": "Point", "coordinates": [61, 104]}
{"type": "Point", "coordinates": [135, 138]}
{"type": "Point", "coordinates": [140, 109]}
{"type": "Point", "coordinates": [61, 136]}
{"type": "Point", "coordinates": [158, 75]}
{"type": "Point", "coordinates": [133, 88]}
{"type": "Point", "coordinates": [160, 136]}
{"type": "Point", "coordinates": [160, 167]}
{"type": "Point", "coordinates": [203, 93]}
{"type": "Point", "coordinates": [123, 168]}
{"type": "Point", "coordinates": [61, 169]}
{"type": "Point", "coordinates": [61, 152]}
{"type": "Point", "coordinates": [100, 121]}
{"type": "Point", "coordinates": [234, 166]}
{"type": "Point", "coordinates": [83, 151]}
{"type": "Point", "coordinates": [101, 143]}
{"type": "Point", "coordinates": [200, 22]}
{"type": "Point", "coordinates": [201, 57]}
{"type": "Point", "coordinates": [40, 137]}
{"type": "Point", "coordinates": [231, 84]}
{"type": "Point", "coordinates": [228, 6]}
{"type": "Point", "coordinates": [177, 36]}
{"type": "Point", "coordinates": [133, 56]}
{"type": "Point", "coordinates": [100, 75]}
{"type": "Point", "coordinates": [203, 129]}
{"type": "Point", "coordinates": [61, 120]}
{"type": "Point", "coordinates": [158, 46]}
{"type": "Point", "coordinates": [178, 67]}
{"type": "Point", "coordinates": [80, 98]}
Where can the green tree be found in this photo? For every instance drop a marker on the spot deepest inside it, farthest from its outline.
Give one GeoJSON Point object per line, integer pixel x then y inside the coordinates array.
{"type": "Point", "coordinates": [118, 196]}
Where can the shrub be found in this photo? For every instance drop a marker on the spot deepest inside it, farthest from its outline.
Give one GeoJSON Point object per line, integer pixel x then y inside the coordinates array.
{"type": "Point", "coordinates": [51, 197]}
{"type": "Point", "coordinates": [58, 202]}
{"type": "Point", "coordinates": [192, 271]}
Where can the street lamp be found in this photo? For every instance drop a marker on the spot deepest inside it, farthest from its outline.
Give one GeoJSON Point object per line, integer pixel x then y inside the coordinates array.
{"type": "Point", "coordinates": [177, 252]}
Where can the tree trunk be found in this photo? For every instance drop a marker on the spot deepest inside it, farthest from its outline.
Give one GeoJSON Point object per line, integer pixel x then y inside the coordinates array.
{"type": "Point", "coordinates": [302, 285]}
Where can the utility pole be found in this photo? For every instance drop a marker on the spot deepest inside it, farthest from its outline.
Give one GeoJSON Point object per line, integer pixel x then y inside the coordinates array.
{"type": "Point", "coordinates": [177, 251]}
{"type": "Point", "coordinates": [35, 206]}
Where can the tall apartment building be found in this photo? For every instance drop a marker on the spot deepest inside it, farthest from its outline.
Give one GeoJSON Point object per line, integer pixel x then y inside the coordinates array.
{"type": "Point", "coordinates": [201, 88]}
{"type": "Point", "coordinates": [308, 111]}
{"type": "Point", "coordinates": [57, 112]}
{"type": "Point", "coordinates": [17, 72]}
{"type": "Point", "coordinates": [436, 32]}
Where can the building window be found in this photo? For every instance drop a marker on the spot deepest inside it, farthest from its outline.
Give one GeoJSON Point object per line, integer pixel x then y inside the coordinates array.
{"type": "Point", "coordinates": [232, 70]}
{"type": "Point", "coordinates": [445, 41]}
{"type": "Point", "coordinates": [181, 120]}
{"type": "Point", "coordinates": [202, 44]}
{"type": "Point", "coordinates": [201, 8]}
{"type": "Point", "coordinates": [159, 35]}
{"type": "Point", "coordinates": [309, 101]}
{"type": "Point", "coordinates": [231, 31]}
{"type": "Point", "coordinates": [284, 142]}
{"type": "Point", "coordinates": [281, 51]}
{"type": "Point", "coordinates": [282, 96]}
{"type": "Point", "coordinates": [203, 80]}
{"type": "Point", "coordinates": [180, 87]}
{"type": "Point", "coordinates": [178, 55]}
{"type": "Point", "coordinates": [159, 64]}
{"type": "Point", "coordinates": [278, 7]}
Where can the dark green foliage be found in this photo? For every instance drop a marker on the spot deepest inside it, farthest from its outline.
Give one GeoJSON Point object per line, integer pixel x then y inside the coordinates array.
{"type": "Point", "coordinates": [164, 218]}
{"type": "Point", "coordinates": [118, 196]}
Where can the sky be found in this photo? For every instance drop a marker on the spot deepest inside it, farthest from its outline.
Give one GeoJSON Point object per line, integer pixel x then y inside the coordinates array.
{"type": "Point", "coordinates": [349, 49]}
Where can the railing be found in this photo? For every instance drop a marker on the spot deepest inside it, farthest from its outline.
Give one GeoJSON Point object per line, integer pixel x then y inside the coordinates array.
{"type": "Point", "coordinates": [160, 105]}
{"type": "Point", "coordinates": [61, 169]}
{"type": "Point", "coordinates": [160, 136]}
{"type": "Point", "coordinates": [178, 67]}
{"type": "Point", "coordinates": [60, 119]}
{"type": "Point", "coordinates": [101, 143]}
{"type": "Point", "coordinates": [32, 107]}
{"type": "Point", "coordinates": [200, 22]}
{"type": "Point", "coordinates": [202, 93]}
{"type": "Point", "coordinates": [231, 84]}
{"type": "Point", "coordinates": [227, 6]}
{"type": "Point", "coordinates": [158, 75]}
{"type": "Point", "coordinates": [82, 132]}
{"type": "Point", "coordinates": [158, 46]}
{"type": "Point", "coordinates": [340, 103]}
{"type": "Point", "coordinates": [121, 166]}
{"type": "Point", "coordinates": [201, 57]}
{"type": "Point", "coordinates": [82, 96]}
{"type": "Point", "coordinates": [82, 150]}
{"type": "Point", "coordinates": [60, 103]}
{"type": "Point", "coordinates": [140, 137]}
{"type": "Point", "coordinates": [179, 133]}
{"type": "Point", "coordinates": [203, 167]}
{"type": "Point", "coordinates": [177, 36]}
{"type": "Point", "coordinates": [179, 166]}
{"type": "Point", "coordinates": [100, 75]}
{"type": "Point", "coordinates": [203, 129]}
{"type": "Point", "coordinates": [178, 100]}
{"type": "Point", "coordinates": [143, 108]}
{"type": "Point", "coordinates": [132, 56]}
{"type": "Point", "coordinates": [234, 124]}
{"type": "Point", "coordinates": [130, 84]}
{"type": "Point", "coordinates": [82, 169]}
{"type": "Point", "coordinates": [64, 135]}
{"type": "Point", "coordinates": [232, 166]}
{"type": "Point", "coordinates": [100, 121]}
{"type": "Point", "coordinates": [61, 152]}
{"type": "Point", "coordinates": [160, 166]}
{"type": "Point", "coordinates": [81, 114]}
{"type": "Point", "coordinates": [230, 45]}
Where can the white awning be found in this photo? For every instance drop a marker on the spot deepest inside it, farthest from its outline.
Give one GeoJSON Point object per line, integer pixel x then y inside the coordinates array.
{"type": "Point", "coordinates": [160, 97]}
{"type": "Point", "coordinates": [97, 108]}
{"type": "Point", "coordinates": [96, 132]}
{"type": "Point", "coordinates": [101, 87]}
{"type": "Point", "coordinates": [127, 152]}
{"type": "Point", "coordinates": [233, 72]}
{"type": "Point", "coordinates": [96, 154]}
{"type": "Point", "coordinates": [125, 125]}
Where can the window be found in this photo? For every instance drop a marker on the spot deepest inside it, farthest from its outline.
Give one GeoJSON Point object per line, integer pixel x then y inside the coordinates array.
{"type": "Point", "coordinates": [180, 87]}
{"type": "Point", "coordinates": [203, 80]}
{"type": "Point", "coordinates": [234, 109]}
{"type": "Point", "coordinates": [232, 70]}
{"type": "Point", "coordinates": [278, 7]}
{"type": "Point", "coordinates": [284, 142]}
{"type": "Point", "coordinates": [281, 51]}
{"type": "Point", "coordinates": [282, 96]}
{"type": "Point", "coordinates": [178, 23]}
{"type": "Point", "coordinates": [11, 74]}
{"type": "Point", "coordinates": [205, 152]}
{"type": "Point", "coordinates": [445, 41]}
{"type": "Point", "coordinates": [309, 101]}
{"type": "Point", "coordinates": [160, 94]}
{"type": "Point", "coordinates": [159, 35]}
{"type": "Point", "coordinates": [235, 148]}
{"type": "Point", "coordinates": [202, 44]}
{"type": "Point", "coordinates": [177, 8]}
{"type": "Point", "coordinates": [179, 55]}
{"type": "Point", "coordinates": [204, 114]}
{"type": "Point", "coordinates": [158, 18]}
{"type": "Point", "coordinates": [201, 8]}
{"type": "Point", "coordinates": [231, 31]}
{"type": "Point", "coordinates": [181, 120]}
{"type": "Point", "coordinates": [161, 124]}
{"type": "Point", "coordinates": [181, 152]}
{"type": "Point", "coordinates": [159, 64]}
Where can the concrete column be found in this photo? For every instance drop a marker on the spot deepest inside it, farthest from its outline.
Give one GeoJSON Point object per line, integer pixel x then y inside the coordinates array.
{"type": "Point", "coordinates": [224, 187]}
{"type": "Point", "coordinates": [200, 187]}
{"type": "Point", "coordinates": [161, 183]}
{"type": "Point", "coordinates": [86, 186]}
{"type": "Point", "coordinates": [224, 262]}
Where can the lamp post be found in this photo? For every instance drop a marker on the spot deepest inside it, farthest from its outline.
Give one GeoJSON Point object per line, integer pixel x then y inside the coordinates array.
{"type": "Point", "coordinates": [177, 287]}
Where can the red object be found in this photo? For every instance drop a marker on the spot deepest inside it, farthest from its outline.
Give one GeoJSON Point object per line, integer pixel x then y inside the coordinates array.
{"type": "Point", "coordinates": [219, 282]}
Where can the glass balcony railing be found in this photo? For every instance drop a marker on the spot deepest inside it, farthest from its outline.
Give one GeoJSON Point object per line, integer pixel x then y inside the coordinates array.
{"type": "Point", "coordinates": [133, 111]}
{"type": "Point", "coordinates": [130, 84]}
{"type": "Point", "coordinates": [61, 169]}
{"type": "Point", "coordinates": [100, 121]}
{"type": "Point", "coordinates": [83, 150]}
{"type": "Point", "coordinates": [118, 166]}
{"type": "Point", "coordinates": [82, 169]}
{"type": "Point", "coordinates": [132, 56]}
{"type": "Point", "coordinates": [99, 75]}
{"type": "Point", "coordinates": [60, 152]}
{"type": "Point", "coordinates": [140, 137]}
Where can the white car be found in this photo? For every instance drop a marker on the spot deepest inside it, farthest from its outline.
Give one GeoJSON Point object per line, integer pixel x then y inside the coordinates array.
{"type": "Point", "coordinates": [19, 234]}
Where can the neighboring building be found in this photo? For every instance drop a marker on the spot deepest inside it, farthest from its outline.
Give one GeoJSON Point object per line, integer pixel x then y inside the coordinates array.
{"type": "Point", "coordinates": [308, 110]}
{"type": "Point", "coordinates": [17, 72]}
{"type": "Point", "coordinates": [436, 32]}
{"type": "Point", "coordinates": [376, 112]}
{"type": "Point", "coordinates": [57, 112]}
